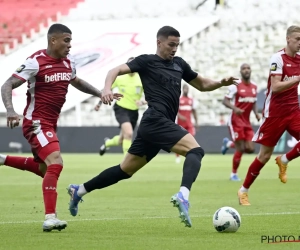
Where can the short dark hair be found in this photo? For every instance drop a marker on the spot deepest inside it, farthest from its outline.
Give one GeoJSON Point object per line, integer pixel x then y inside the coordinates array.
{"type": "Point", "coordinates": [167, 31]}
{"type": "Point", "coordinates": [58, 28]}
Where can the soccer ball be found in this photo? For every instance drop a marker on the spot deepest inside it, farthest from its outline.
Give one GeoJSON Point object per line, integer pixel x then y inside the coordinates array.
{"type": "Point", "coordinates": [226, 220]}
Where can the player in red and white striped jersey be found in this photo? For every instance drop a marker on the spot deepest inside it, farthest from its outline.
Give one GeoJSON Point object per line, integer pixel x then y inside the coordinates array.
{"type": "Point", "coordinates": [48, 73]}
{"type": "Point", "coordinates": [242, 100]}
{"type": "Point", "coordinates": [281, 111]}
{"type": "Point", "coordinates": [187, 108]}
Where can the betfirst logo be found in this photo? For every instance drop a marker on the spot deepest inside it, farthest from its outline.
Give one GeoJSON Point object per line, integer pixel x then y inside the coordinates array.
{"type": "Point", "coordinates": [58, 77]}
{"type": "Point", "coordinates": [287, 78]}
{"type": "Point", "coordinates": [247, 99]}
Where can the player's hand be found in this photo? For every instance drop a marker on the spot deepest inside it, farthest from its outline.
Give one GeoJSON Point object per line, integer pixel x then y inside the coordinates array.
{"type": "Point", "coordinates": [139, 103]}
{"type": "Point", "coordinates": [108, 96]}
{"type": "Point", "coordinates": [97, 107]}
{"type": "Point", "coordinates": [238, 111]}
{"type": "Point", "coordinates": [257, 117]}
{"type": "Point", "coordinates": [13, 119]}
{"type": "Point", "coordinates": [229, 81]}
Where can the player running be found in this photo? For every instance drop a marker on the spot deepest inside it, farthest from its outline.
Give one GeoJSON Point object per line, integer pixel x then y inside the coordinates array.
{"type": "Point", "coordinates": [187, 107]}
{"type": "Point", "coordinates": [161, 75]}
{"type": "Point", "coordinates": [241, 99]}
{"type": "Point", "coordinates": [281, 111]}
{"type": "Point", "coordinates": [48, 73]}
{"type": "Point", "coordinates": [126, 110]}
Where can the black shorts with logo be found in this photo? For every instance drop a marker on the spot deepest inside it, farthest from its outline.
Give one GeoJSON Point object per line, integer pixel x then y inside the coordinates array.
{"type": "Point", "coordinates": [126, 115]}
{"type": "Point", "coordinates": [155, 132]}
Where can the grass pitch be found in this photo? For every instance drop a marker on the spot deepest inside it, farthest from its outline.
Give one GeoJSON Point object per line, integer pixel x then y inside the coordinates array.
{"type": "Point", "coordinates": [136, 213]}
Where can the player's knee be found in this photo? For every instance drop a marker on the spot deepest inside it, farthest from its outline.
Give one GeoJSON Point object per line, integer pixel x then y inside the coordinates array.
{"type": "Point", "coordinates": [264, 158]}
{"type": "Point", "coordinates": [54, 170]}
{"type": "Point", "coordinates": [249, 150]}
{"type": "Point", "coordinates": [197, 152]}
{"type": "Point", "coordinates": [128, 135]}
{"type": "Point", "coordinates": [54, 158]}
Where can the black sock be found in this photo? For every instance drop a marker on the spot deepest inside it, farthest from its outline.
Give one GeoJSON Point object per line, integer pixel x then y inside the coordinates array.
{"type": "Point", "coordinates": [191, 167]}
{"type": "Point", "coordinates": [106, 178]}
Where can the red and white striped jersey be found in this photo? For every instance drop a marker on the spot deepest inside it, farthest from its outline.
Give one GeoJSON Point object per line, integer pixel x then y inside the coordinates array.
{"type": "Point", "coordinates": [243, 96]}
{"type": "Point", "coordinates": [48, 80]}
{"type": "Point", "coordinates": [186, 106]}
{"type": "Point", "coordinates": [285, 102]}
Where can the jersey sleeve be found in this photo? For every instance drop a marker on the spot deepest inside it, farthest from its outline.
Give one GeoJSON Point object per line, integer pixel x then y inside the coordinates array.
{"type": "Point", "coordinates": [276, 64]}
{"type": "Point", "coordinates": [73, 66]}
{"type": "Point", "coordinates": [232, 89]}
{"type": "Point", "coordinates": [188, 74]}
{"type": "Point", "coordinates": [27, 70]}
{"type": "Point", "coordinates": [138, 64]}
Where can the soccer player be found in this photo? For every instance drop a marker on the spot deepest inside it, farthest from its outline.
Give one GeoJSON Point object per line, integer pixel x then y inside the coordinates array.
{"type": "Point", "coordinates": [281, 111]}
{"type": "Point", "coordinates": [187, 107]}
{"type": "Point", "coordinates": [48, 73]}
{"type": "Point", "coordinates": [126, 110]}
{"type": "Point", "coordinates": [161, 76]}
{"type": "Point", "coordinates": [241, 99]}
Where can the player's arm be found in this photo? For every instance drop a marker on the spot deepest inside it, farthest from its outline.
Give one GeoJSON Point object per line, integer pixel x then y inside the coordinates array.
{"type": "Point", "coordinates": [255, 111]}
{"type": "Point", "coordinates": [232, 90]}
{"type": "Point", "coordinates": [85, 87]}
{"type": "Point", "coordinates": [6, 93]}
{"type": "Point", "coordinates": [195, 116]}
{"type": "Point", "coordinates": [205, 84]}
{"type": "Point", "coordinates": [110, 79]}
{"type": "Point", "coordinates": [98, 105]}
{"type": "Point", "coordinates": [278, 86]}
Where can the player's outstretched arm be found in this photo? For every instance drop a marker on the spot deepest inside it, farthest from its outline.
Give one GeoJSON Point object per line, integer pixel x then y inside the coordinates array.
{"type": "Point", "coordinates": [6, 93]}
{"type": "Point", "coordinates": [205, 84]}
{"type": "Point", "coordinates": [85, 87]}
{"type": "Point", "coordinates": [107, 94]}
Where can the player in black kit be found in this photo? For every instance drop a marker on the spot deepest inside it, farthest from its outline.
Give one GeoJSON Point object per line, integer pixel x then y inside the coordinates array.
{"type": "Point", "coordinates": [161, 76]}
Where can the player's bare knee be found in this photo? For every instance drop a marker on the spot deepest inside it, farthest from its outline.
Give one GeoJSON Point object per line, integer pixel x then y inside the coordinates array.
{"type": "Point", "coordinates": [249, 150]}
{"type": "Point", "coordinates": [128, 135]}
{"type": "Point", "coordinates": [264, 157]}
{"type": "Point", "coordinates": [131, 164]}
{"type": "Point", "coordinates": [54, 158]}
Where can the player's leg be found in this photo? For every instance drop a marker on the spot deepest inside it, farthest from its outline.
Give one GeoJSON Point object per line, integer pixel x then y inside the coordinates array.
{"type": "Point", "coordinates": [21, 163]}
{"type": "Point", "coordinates": [283, 160]}
{"type": "Point", "coordinates": [127, 132]}
{"type": "Point", "coordinates": [267, 135]}
{"type": "Point", "coordinates": [138, 155]}
{"type": "Point", "coordinates": [236, 160]}
{"type": "Point", "coordinates": [191, 130]}
{"type": "Point", "coordinates": [227, 143]}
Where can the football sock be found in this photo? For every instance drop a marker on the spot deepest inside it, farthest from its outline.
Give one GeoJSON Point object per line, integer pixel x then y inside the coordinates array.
{"type": "Point", "coordinates": [113, 141]}
{"type": "Point", "coordinates": [236, 161]}
{"type": "Point", "coordinates": [191, 167]}
{"type": "Point", "coordinates": [49, 187]}
{"type": "Point", "coordinates": [252, 173]}
{"type": "Point", "coordinates": [126, 145]}
{"type": "Point", "coordinates": [243, 189]}
{"type": "Point", "coordinates": [106, 178]}
{"type": "Point", "coordinates": [284, 159]}
{"type": "Point", "coordinates": [230, 144]}
{"type": "Point", "coordinates": [292, 154]}
{"type": "Point", "coordinates": [81, 190]}
{"type": "Point", "coordinates": [23, 163]}
{"type": "Point", "coordinates": [185, 192]}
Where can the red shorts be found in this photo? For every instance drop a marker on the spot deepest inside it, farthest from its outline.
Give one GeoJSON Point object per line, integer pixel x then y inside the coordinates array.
{"type": "Point", "coordinates": [189, 127]}
{"type": "Point", "coordinates": [272, 128]}
{"type": "Point", "coordinates": [41, 137]}
{"type": "Point", "coordinates": [238, 133]}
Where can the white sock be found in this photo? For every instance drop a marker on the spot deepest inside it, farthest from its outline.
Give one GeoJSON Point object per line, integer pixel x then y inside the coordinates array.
{"type": "Point", "coordinates": [185, 192]}
{"type": "Point", "coordinates": [2, 159]}
{"type": "Point", "coordinates": [244, 190]}
{"type": "Point", "coordinates": [284, 159]}
{"type": "Point", "coordinates": [233, 174]}
{"type": "Point", "coordinates": [50, 216]}
{"type": "Point", "coordinates": [81, 191]}
{"type": "Point", "coordinates": [228, 144]}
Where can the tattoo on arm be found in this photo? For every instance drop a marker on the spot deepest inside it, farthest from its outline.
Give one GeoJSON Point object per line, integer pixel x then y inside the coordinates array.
{"type": "Point", "coordinates": [85, 87]}
{"type": "Point", "coordinates": [6, 91]}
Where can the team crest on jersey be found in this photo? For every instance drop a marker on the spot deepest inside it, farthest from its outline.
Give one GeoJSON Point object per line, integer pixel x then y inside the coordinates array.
{"type": "Point", "coordinates": [273, 67]}
{"type": "Point", "coordinates": [66, 64]}
{"type": "Point", "coordinates": [20, 69]}
{"type": "Point", "coordinates": [49, 134]}
{"type": "Point", "coordinates": [253, 91]}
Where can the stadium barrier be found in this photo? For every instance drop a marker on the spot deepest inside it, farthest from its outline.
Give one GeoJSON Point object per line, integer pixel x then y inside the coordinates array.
{"type": "Point", "coordinates": [89, 139]}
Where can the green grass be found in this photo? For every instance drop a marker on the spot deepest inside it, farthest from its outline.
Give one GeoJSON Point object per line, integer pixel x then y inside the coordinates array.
{"type": "Point", "coordinates": [136, 213]}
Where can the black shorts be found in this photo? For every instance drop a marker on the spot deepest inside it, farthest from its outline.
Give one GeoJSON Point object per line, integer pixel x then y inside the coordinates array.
{"type": "Point", "coordinates": [155, 132]}
{"type": "Point", "coordinates": [126, 115]}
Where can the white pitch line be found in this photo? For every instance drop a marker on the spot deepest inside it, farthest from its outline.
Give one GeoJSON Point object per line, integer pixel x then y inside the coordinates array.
{"type": "Point", "coordinates": [142, 218]}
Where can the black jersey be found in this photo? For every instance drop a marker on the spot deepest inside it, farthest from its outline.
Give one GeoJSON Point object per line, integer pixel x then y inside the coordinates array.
{"type": "Point", "coordinates": [161, 81]}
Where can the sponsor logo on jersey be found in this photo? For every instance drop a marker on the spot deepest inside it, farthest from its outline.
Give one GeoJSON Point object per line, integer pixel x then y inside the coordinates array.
{"type": "Point", "coordinates": [289, 65]}
{"type": "Point", "coordinates": [58, 77]}
{"type": "Point", "coordinates": [20, 69]}
{"type": "Point", "coordinates": [273, 67]}
{"type": "Point", "coordinates": [247, 99]}
{"type": "Point", "coordinates": [48, 66]}
{"type": "Point", "coordinates": [287, 78]}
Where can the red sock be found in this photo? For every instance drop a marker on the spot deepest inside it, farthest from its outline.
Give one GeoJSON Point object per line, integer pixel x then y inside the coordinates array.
{"type": "Point", "coordinates": [236, 161]}
{"type": "Point", "coordinates": [232, 145]}
{"type": "Point", "coordinates": [294, 153]}
{"type": "Point", "coordinates": [49, 187]}
{"type": "Point", "coordinates": [253, 172]}
{"type": "Point", "coordinates": [23, 163]}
